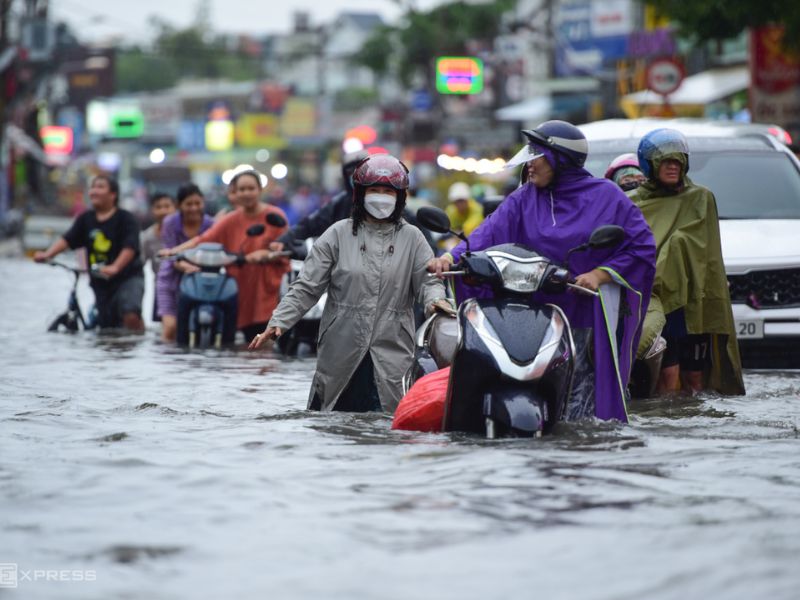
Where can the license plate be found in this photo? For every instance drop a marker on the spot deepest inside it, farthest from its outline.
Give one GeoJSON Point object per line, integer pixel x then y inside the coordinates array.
{"type": "Point", "coordinates": [749, 329]}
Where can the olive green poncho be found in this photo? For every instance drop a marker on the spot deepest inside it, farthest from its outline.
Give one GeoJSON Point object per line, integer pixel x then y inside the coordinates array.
{"type": "Point", "coordinates": [690, 275]}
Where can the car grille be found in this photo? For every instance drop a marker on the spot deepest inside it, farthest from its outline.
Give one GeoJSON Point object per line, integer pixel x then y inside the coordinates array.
{"type": "Point", "coordinates": [766, 289]}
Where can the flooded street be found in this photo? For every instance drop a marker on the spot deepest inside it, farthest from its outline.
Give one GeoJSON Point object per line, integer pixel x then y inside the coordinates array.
{"type": "Point", "coordinates": [131, 469]}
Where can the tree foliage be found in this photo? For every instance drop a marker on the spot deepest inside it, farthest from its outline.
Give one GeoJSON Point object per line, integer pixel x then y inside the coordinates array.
{"type": "Point", "coordinates": [191, 52]}
{"type": "Point", "coordinates": [446, 29]}
{"type": "Point", "coordinates": [715, 20]}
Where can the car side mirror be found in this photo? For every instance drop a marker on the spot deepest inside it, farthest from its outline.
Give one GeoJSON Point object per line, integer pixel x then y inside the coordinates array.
{"type": "Point", "coordinates": [276, 220]}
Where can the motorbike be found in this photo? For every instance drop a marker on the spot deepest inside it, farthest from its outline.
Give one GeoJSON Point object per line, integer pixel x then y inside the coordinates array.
{"type": "Point", "coordinates": [208, 299]}
{"type": "Point", "coordinates": [72, 319]}
{"type": "Point", "coordinates": [512, 359]}
{"type": "Point", "coordinates": [301, 340]}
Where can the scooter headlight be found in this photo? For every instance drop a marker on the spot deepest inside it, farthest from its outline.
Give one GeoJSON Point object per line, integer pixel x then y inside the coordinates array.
{"type": "Point", "coordinates": [520, 275]}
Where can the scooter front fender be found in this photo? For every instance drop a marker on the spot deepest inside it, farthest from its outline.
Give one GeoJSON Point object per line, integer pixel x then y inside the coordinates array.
{"type": "Point", "coordinates": [516, 411]}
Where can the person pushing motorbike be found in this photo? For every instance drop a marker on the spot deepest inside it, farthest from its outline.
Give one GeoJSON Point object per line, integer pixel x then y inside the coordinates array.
{"type": "Point", "coordinates": [555, 211]}
{"type": "Point", "coordinates": [373, 266]}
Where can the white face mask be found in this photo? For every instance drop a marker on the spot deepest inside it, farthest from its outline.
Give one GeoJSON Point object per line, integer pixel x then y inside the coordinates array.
{"type": "Point", "coordinates": [380, 206]}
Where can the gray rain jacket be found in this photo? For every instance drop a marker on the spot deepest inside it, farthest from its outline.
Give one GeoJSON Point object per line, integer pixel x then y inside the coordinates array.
{"type": "Point", "coordinates": [372, 280]}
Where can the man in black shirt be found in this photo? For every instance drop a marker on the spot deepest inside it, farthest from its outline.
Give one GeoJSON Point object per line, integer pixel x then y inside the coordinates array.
{"type": "Point", "coordinates": [110, 236]}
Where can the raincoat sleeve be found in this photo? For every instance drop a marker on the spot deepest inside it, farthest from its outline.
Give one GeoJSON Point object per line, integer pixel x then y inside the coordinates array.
{"type": "Point", "coordinates": [633, 264]}
{"type": "Point", "coordinates": [312, 282]}
{"type": "Point", "coordinates": [619, 315]}
{"type": "Point", "coordinates": [426, 288]}
{"type": "Point", "coordinates": [499, 227]}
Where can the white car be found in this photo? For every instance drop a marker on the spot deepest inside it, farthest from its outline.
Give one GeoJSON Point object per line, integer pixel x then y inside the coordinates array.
{"type": "Point", "coordinates": [756, 181]}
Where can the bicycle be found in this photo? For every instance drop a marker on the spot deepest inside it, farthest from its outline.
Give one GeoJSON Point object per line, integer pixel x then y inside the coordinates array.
{"type": "Point", "coordinates": [72, 319]}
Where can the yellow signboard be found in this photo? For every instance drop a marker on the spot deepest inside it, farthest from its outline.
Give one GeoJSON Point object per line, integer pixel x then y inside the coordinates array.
{"type": "Point", "coordinates": [259, 130]}
{"type": "Point", "coordinates": [299, 118]}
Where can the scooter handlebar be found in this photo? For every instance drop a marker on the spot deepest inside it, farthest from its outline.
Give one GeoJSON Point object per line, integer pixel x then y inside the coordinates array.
{"type": "Point", "coordinates": [582, 290]}
{"type": "Point", "coordinates": [74, 270]}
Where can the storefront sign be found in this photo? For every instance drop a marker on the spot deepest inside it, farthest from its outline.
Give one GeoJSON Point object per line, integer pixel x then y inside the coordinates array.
{"type": "Point", "coordinates": [459, 75]}
{"type": "Point", "coordinates": [259, 130]}
{"type": "Point", "coordinates": [775, 76]}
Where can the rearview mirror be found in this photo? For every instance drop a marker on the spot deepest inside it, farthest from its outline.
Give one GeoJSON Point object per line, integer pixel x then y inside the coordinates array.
{"type": "Point", "coordinates": [434, 219]}
{"type": "Point", "coordinates": [275, 220]}
{"type": "Point", "coordinates": [607, 236]}
{"type": "Point", "coordinates": [255, 230]}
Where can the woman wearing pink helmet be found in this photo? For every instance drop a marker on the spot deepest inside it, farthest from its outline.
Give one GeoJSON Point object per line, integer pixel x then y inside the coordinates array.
{"type": "Point", "coordinates": [373, 266]}
{"type": "Point", "coordinates": [625, 172]}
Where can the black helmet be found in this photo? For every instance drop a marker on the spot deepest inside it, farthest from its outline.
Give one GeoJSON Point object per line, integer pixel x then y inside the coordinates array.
{"type": "Point", "coordinates": [562, 137]}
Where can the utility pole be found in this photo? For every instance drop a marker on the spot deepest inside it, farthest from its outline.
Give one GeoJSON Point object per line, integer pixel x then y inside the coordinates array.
{"type": "Point", "coordinates": [6, 56]}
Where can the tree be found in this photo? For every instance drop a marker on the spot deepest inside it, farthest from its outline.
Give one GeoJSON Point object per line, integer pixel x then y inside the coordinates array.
{"type": "Point", "coordinates": [446, 29]}
{"type": "Point", "coordinates": [191, 52]}
{"type": "Point", "coordinates": [714, 20]}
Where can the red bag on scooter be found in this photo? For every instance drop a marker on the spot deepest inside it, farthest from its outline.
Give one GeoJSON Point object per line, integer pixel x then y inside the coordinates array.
{"type": "Point", "coordinates": [422, 408]}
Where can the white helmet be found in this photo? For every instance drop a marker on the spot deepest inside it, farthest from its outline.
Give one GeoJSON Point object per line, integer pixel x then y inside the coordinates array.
{"type": "Point", "coordinates": [459, 191]}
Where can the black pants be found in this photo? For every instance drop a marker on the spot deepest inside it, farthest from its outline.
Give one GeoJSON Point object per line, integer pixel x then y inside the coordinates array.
{"type": "Point", "coordinates": [361, 393]}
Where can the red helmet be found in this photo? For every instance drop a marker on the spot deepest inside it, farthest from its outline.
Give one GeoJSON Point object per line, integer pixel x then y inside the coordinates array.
{"type": "Point", "coordinates": [381, 169]}
{"type": "Point", "coordinates": [623, 160]}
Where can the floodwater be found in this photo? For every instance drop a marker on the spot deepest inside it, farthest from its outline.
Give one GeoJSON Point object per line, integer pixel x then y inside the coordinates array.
{"type": "Point", "coordinates": [130, 469]}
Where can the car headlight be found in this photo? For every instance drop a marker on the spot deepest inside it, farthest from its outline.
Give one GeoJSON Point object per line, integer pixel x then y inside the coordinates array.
{"type": "Point", "coordinates": [520, 275]}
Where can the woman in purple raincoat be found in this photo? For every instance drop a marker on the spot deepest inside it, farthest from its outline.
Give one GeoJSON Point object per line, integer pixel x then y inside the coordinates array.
{"type": "Point", "coordinates": [556, 210]}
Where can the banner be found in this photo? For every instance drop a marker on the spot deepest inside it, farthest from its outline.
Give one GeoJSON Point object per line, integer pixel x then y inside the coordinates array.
{"type": "Point", "coordinates": [775, 80]}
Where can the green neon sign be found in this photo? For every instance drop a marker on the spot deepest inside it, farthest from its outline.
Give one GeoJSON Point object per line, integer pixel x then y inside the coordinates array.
{"type": "Point", "coordinates": [127, 124]}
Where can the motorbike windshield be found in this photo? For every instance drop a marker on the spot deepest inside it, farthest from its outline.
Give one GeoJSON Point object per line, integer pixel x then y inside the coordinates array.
{"type": "Point", "coordinates": [209, 255]}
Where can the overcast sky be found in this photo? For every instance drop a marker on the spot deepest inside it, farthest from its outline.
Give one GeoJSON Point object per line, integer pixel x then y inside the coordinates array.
{"type": "Point", "coordinates": [97, 19]}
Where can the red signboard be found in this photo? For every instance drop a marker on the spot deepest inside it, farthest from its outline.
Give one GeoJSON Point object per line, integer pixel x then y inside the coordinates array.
{"type": "Point", "coordinates": [56, 140]}
{"type": "Point", "coordinates": [664, 75]}
{"type": "Point", "coordinates": [775, 77]}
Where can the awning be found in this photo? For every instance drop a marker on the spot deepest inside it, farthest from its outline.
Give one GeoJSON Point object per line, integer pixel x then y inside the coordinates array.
{"type": "Point", "coordinates": [535, 109]}
{"type": "Point", "coordinates": [700, 89]}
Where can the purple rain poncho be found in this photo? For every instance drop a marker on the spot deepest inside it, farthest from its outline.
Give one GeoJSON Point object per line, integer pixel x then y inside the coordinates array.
{"type": "Point", "coordinates": [168, 278]}
{"type": "Point", "coordinates": [553, 220]}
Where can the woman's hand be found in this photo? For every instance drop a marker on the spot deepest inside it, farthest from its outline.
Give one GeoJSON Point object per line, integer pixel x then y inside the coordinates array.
{"type": "Point", "coordinates": [258, 257]}
{"type": "Point", "coordinates": [593, 279]}
{"type": "Point", "coordinates": [440, 265]}
{"type": "Point", "coordinates": [270, 333]}
{"type": "Point", "coordinates": [442, 305]}
{"type": "Point", "coordinates": [185, 267]}
{"type": "Point", "coordinates": [262, 257]}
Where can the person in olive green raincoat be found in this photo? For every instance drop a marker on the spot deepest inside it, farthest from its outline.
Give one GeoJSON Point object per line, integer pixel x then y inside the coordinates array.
{"type": "Point", "coordinates": [690, 303]}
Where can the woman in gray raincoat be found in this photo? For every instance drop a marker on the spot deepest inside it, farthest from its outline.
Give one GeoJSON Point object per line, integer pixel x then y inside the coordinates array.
{"type": "Point", "coordinates": [373, 266]}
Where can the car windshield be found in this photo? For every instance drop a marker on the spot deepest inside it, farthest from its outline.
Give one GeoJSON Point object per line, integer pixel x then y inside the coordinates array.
{"type": "Point", "coordinates": [747, 185]}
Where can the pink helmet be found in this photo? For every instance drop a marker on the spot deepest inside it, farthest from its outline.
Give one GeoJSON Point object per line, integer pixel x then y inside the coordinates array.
{"type": "Point", "coordinates": [381, 169]}
{"type": "Point", "coordinates": [623, 160]}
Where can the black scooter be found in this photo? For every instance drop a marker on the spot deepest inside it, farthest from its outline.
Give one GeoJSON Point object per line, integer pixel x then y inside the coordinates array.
{"type": "Point", "coordinates": [512, 359]}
